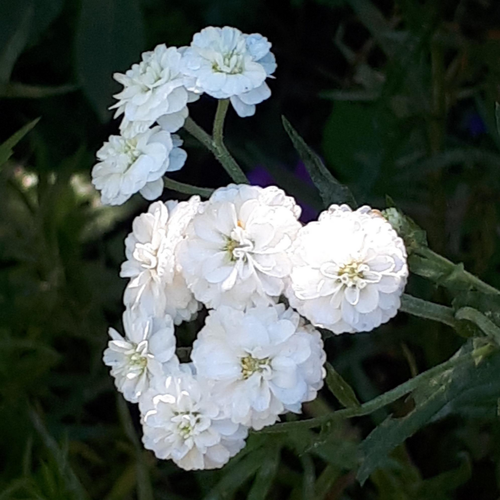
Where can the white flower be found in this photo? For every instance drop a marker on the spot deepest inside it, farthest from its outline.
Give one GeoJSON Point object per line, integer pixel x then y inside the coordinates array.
{"type": "Point", "coordinates": [225, 63]}
{"type": "Point", "coordinates": [261, 362]}
{"type": "Point", "coordinates": [152, 88]}
{"type": "Point", "coordinates": [260, 49]}
{"type": "Point", "coordinates": [156, 285]}
{"type": "Point", "coordinates": [147, 351]}
{"type": "Point", "coordinates": [349, 270]}
{"type": "Point", "coordinates": [236, 249]}
{"type": "Point", "coordinates": [182, 421]}
{"type": "Point", "coordinates": [129, 165]}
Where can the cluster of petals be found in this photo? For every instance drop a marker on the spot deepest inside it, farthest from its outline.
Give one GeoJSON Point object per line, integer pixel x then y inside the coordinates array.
{"type": "Point", "coordinates": [146, 352]}
{"type": "Point", "coordinates": [227, 64]}
{"type": "Point", "coordinates": [261, 362]}
{"type": "Point", "coordinates": [222, 62]}
{"type": "Point", "coordinates": [183, 422]}
{"type": "Point", "coordinates": [156, 284]}
{"type": "Point", "coordinates": [236, 249]}
{"type": "Point", "coordinates": [136, 164]}
{"type": "Point", "coordinates": [255, 359]}
{"type": "Point", "coordinates": [349, 270]}
{"type": "Point", "coordinates": [152, 89]}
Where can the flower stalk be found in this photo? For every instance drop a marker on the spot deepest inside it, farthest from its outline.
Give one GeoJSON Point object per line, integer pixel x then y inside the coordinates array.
{"type": "Point", "coordinates": [215, 144]}
{"type": "Point", "coordinates": [428, 310]}
{"type": "Point", "coordinates": [386, 398]}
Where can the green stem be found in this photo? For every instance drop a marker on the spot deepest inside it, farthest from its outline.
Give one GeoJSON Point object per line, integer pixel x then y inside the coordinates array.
{"type": "Point", "coordinates": [428, 310]}
{"type": "Point", "coordinates": [479, 319]}
{"type": "Point", "coordinates": [439, 269]}
{"type": "Point", "coordinates": [216, 144]}
{"type": "Point", "coordinates": [180, 187]}
{"type": "Point", "coordinates": [222, 154]}
{"type": "Point", "coordinates": [384, 399]}
{"type": "Point", "coordinates": [198, 133]}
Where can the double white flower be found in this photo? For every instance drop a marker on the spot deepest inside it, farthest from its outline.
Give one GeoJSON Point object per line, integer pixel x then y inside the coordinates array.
{"type": "Point", "coordinates": [146, 352]}
{"type": "Point", "coordinates": [225, 63]}
{"type": "Point", "coordinates": [182, 421]}
{"type": "Point", "coordinates": [235, 251]}
{"type": "Point", "coordinates": [153, 88]}
{"type": "Point", "coordinates": [261, 362]}
{"type": "Point", "coordinates": [136, 164]}
{"type": "Point", "coordinates": [349, 270]}
{"type": "Point", "coordinates": [156, 284]}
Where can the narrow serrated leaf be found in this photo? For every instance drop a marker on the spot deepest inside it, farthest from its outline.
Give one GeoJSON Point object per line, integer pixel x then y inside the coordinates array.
{"type": "Point", "coordinates": [331, 190]}
{"type": "Point", "coordinates": [448, 392]}
{"type": "Point", "coordinates": [6, 148]}
{"type": "Point", "coordinates": [340, 388]}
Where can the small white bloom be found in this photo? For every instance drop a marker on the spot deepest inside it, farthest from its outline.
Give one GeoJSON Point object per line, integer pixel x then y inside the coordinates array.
{"type": "Point", "coordinates": [260, 363]}
{"type": "Point", "coordinates": [129, 165]}
{"type": "Point", "coordinates": [182, 422]}
{"type": "Point", "coordinates": [260, 49]}
{"type": "Point", "coordinates": [156, 285]}
{"type": "Point", "coordinates": [225, 63]}
{"type": "Point", "coordinates": [152, 88]}
{"type": "Point", "coordinates": [176, 159]}
{"type": "Point", "coordinates": [349, 270]}
{"type": "Point", "coordinates": [146, 352]}
{"type": "Point", "coordinates": [235, 252]}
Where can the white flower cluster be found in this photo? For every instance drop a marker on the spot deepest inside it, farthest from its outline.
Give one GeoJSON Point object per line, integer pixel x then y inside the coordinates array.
{"type": "Point", "coordinates": [255, 358]}
{"type": "Point", "coordinates": [221, 62]}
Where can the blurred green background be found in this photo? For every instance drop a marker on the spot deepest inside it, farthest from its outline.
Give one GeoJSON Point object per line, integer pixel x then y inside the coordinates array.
{"type": "Point", "coordinates": [397, 96]}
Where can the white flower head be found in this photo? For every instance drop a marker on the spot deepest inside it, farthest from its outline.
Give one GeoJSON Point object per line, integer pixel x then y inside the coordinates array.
{"type": "Point", "coordinates": [235, 252]}
{"type": "Point", "coordinates": [145, 353]}
{"type": "Point", "coordinates": [225, 63]}
{"type": "Point", "coordinates": [135, 164]}
{"type": "Point", "coordinates": [152, 88]}
{"type": "Point", "coordinates": [156, 284]}
{"type": "Point", "coordinates": [182, 422]}
{"type": "Point", "coordinates": [349, 270]}
{"type": "Point", "coordinates": [260, 363]}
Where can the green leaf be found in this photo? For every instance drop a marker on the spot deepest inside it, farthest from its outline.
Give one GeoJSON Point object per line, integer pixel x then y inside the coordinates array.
{"type": "Point", "coordinates": [6, 148]}
{"type": "Point", "coordinates": [330, 189]}
{"type": "Point", "coordinates": [474, 381]}
{"type": "Point", "coordinates": [20, 90]}
{"type": "Point", "coordinates": [144, 487]}
{"type": "Point", "coordinates": [265, 475]}
{"type": "Point", "coordinates": [109, 39]}
{"type": "Point", "coordinates": [15, 25]}
{"type": "Point", "coordinates": [236, 475]}
{"type": "Point", "coordinates": [22, 22]}
{"type": "Point", "coordinates": [440, 486]}
{"type": "Point", "coordinates": [340, 388]}
{"type": "Point", "coordinates": [72, 483]}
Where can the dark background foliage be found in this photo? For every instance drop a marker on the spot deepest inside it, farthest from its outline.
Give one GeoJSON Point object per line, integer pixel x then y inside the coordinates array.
{"type": "Point", "coordinates": [397, 96]}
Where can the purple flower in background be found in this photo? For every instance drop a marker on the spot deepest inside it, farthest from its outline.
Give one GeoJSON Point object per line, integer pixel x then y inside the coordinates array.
{"type": "Point", "coordinates": [474, 124]}
{"type": "Point", "coordinates": [259, 176]}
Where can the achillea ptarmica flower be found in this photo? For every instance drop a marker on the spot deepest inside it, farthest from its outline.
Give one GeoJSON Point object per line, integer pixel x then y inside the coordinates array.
{"type": "Point", "coordinates": [182, 421]}
{"type": "Point", "coordinates": [349, 270]}
{"type": "Point", "coordinates": [135, 164]}
{"type": "Point", "coordinates": [235, 251]}
{"type": "Point", "coordinates": [152, 88]}
{"type": "Point", "coordinates": [225, 63]}
{"type": "Point", "coordinates": [147, 351]}
{"type": "Point", "coordinates": [260, 363]}
{"type": "Point", "coordinates": [156, 285]}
